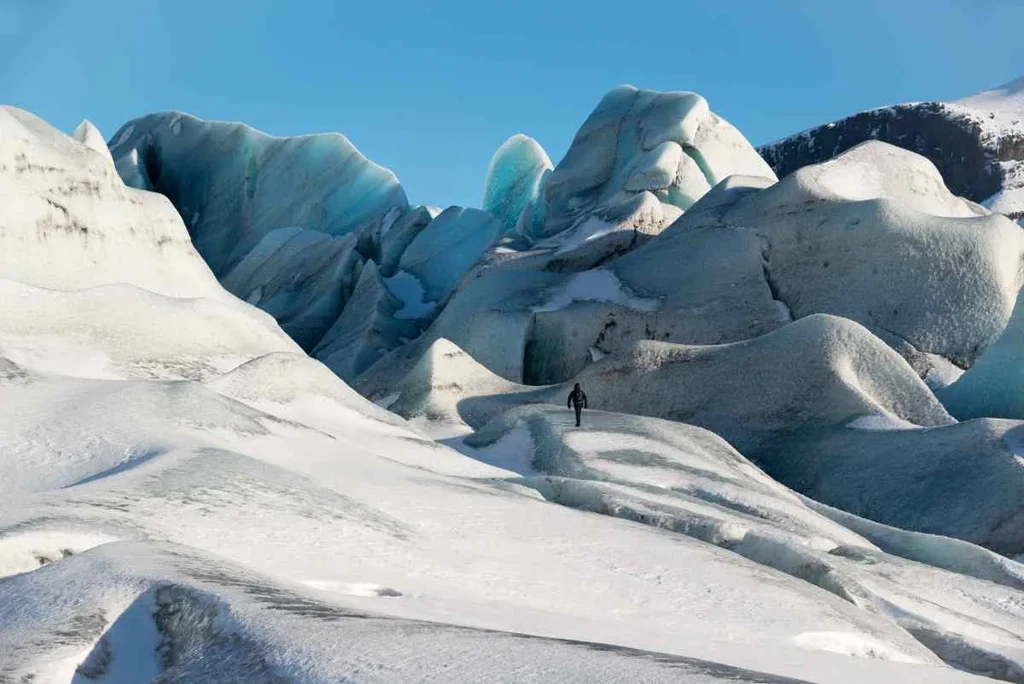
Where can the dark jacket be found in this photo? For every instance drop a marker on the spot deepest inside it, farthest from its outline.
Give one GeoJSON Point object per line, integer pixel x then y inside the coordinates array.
{"type": "Point", "coordinates": [576, 397]}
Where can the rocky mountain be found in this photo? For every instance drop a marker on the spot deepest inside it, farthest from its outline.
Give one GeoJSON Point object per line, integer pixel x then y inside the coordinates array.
{"type": "Point", "coordinates": [976, 143]}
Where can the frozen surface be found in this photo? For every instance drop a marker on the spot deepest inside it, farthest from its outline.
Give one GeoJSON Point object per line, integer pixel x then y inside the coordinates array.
{"type": "Point", "coordinates": [642, 140]}
{"type": "Point", "coordinates": [447, 248]}
{"type": "Point", "coordinates": [185, 494]}
{"type": "Point", "coordinates": [595, 286]}
{"type": "Point", "coordinates": [300, 277]}
{"type": "Point", "coordinates": [994, 386]}
{"type": "Point", "coordinates": [69, 222]}
{"type": "Point", "coordinates": [234, 184]}
{"type": "Point", "coordinates": [857, 235]}
{"type": "Point", "coordinates": [367, 327]}
{"type": "Point", "coordinates": [1004, 105]}
{"type": "Point", "coordinates": [90, 136]}
{"type": "Point", "coordinates": [514, 183]}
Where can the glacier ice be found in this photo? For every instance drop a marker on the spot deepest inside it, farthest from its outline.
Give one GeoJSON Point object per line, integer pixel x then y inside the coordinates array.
{"type": "Point", "coordinates": [994, 385]}
{"type": "Point", "coordinates": [183, 472]}
{"type": "Point", "coordinates": [962, 480]}
{"type": "Point", "coordinates": [70, 223]}
{"type": "Point", "coordinates": [90, 136]}
{"type": "Point", "coordinates": [447, 248]}
{"type": "Point", "coordinates": [679, 478]}
{"type": "Point", "coordinates": [240, 183]}
{"type": "Point", "coordinates": [367, 328]}
{"type": "Point", "coordinates": [642, 140]}
{"type": "Point", "coordinates": [815, 242]}
{"type": "Point", "coordinates": [399, 234]}
{"type": "Point", "coordinates": [514, 182]}
{"type": "Point", "coordinates": [300, 277]}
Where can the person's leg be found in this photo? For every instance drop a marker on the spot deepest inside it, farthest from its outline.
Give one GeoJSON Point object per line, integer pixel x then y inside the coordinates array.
{"type": "Point", "coordinates": [579, 409]}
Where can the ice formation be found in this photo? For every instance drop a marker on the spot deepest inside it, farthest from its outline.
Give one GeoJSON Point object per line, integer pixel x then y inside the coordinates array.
{"type": "Point", "coordinates": [301, 277]}
{"type": "Point", "coordinates": [186, 495]}
{"type": "Point", "coordinates": [994, 385]}
{"type": "Point", "coordinates": [637, 140]}
{"type": "Point", "coordinates": [70, 223]}
{"type": "Point", "coordinates": [234, 184]}
{"type": "Point", "coordinates": [514, 184]}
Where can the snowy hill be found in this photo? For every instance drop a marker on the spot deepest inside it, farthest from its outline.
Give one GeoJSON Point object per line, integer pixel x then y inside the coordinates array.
{"type": "Point", "coordinates": [771, 484]}
{"type": "Point", "coordinates": [977, 143]}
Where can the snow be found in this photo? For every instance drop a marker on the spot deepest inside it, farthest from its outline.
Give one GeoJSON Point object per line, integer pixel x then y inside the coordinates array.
{"type": "Point", "coordinates": [1003, 106]}
{"type": "Point", "coordinates": [1000, 115]}
{"type": "Point", "coordinates": [71, 223]}
{"type": "Point", "coordinates": [876, 170]}
{"type": "Point", "coordinates": [861, 450]}
{"type": "Point", "coordinates": [409, 290]}
{"type": "Point", "coordinates": [596, 286]}
{"type": "Point", "coordinates": [186, 495]}
{"type": "Point", "coordinates": [90, 136]}
{"type": "Point", "coordinates": [656, 169]}
{"type": "Point", "coordinates": [856, 235]}
{"type": "Point", "coordinates": [880, 421]}
{"type": "Point", "coordinates": [850, 644]}
{"type": "Point", "coordinates": [512, 452]}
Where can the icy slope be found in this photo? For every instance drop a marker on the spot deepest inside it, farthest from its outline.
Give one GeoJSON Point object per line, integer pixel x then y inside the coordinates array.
{"type": "Point", "coordinates": [234, 184]}
{"type": "Point", "coordinates": [994, 386]}
{"type": "Point", "coordinates": [681, 478]}
{"type": "Point", "coordinates": [634, 141]}
{"type": "Point", "coordinates": [300, 277]}
{"type": "Point", "coordinates": [836, 415]}
{"type": "Point", "coordinates": [69, 221]}
{"type": "Point", "coordinates": [418, 524]}
{"type": "Point", "coordinates": [213, 621]}
{"type": "Point", "coordinates": [211, 504]}
{"type": "Point", "coordinates": [976, 142]}
{"type": "Point", "coordinates": [872, 236]}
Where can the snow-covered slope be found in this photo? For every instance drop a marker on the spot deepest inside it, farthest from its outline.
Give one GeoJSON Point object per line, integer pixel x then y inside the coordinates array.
{"type": "Point", "coordinates": [185, 495]}
{"type": "Point", "coordinates": [69, 221]}
{"type": "Point", "coordinates": [976, 142]}
{"type": "Point", "coordinates": [836, 414]}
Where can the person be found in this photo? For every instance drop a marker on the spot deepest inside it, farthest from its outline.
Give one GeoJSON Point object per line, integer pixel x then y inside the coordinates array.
{"type": "Point", "coordinates": [578, 401]}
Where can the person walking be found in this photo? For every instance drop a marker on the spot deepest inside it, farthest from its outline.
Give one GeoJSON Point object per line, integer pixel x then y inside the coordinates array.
{"type": "Point", "coordinates": [577, 400]}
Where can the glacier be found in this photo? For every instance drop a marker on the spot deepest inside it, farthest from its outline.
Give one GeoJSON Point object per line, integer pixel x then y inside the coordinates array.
{"type": "Point", "coordinates": [227, 181]}
{"type": "Point", "coordinates": [266, 421]}
{"type": "Point", "coordinates": [515, 181]}
{"type": "Point", "coordinates": [639, 140]}
{"type": "Point", "coordinates": [994, 385]}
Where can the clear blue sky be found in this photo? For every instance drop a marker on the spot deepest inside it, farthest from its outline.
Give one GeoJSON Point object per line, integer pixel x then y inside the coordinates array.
{"type": "Point", "coordinates": [430, 89]}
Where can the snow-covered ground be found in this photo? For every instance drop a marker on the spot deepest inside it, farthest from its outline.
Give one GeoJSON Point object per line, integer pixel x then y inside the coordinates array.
{"type": "Point", "coordinates": [186, 496]}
